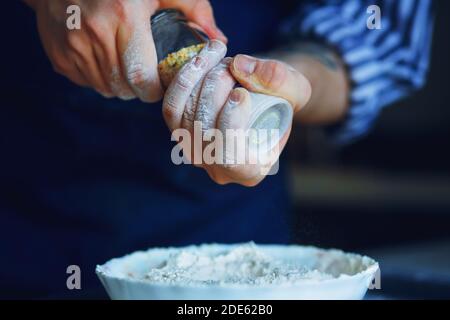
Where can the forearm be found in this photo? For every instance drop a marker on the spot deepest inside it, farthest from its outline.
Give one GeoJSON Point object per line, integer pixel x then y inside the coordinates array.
{"type": "Point", "coordinates": [329, 81]}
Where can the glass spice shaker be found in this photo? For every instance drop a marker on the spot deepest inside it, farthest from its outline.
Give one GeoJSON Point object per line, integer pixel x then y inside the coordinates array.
{"type": "Point", "coordinates": [177, 42]}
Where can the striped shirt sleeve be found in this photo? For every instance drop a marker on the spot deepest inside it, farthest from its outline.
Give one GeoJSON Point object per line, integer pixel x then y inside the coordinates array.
{"type": "Point", "coordinates": [384, 65]}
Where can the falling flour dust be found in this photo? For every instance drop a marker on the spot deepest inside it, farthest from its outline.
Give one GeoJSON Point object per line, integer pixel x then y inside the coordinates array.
{"type": "Point", "coordinates": [241, 265]}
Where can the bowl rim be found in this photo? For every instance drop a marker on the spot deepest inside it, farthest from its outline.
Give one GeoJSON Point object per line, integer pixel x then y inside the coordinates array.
{"type": "Point", "coordinates": [371, 267]}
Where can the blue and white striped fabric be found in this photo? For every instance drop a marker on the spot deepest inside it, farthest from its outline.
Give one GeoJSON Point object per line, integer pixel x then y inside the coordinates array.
{"type": "Point", "coordinates": [384, 65]}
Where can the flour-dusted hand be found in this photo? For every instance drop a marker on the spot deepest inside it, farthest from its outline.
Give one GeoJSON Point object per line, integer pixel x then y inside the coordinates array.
{"type": "Point", "coordinates": [184, 87]}
{"type": "Point", "coordinates": [113, 52]}
{"type": "Point", "coordinates": [272, 77]}
{"type": "Point", "coordinates": [203, 94]}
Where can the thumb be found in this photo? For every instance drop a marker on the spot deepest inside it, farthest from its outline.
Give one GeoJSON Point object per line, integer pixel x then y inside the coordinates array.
{"type": "Point", "coordinates": [200, 13]}
{"type": "Point", "coordinates": [272, 77]}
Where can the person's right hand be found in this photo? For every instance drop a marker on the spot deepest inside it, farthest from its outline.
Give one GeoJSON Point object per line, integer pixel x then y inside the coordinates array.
{"type": "Point", "coordinates": [113, 52]}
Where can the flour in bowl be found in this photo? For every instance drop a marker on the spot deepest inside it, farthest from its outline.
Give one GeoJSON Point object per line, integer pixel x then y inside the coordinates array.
{"type": "Point", "coordinates": [242, 265]}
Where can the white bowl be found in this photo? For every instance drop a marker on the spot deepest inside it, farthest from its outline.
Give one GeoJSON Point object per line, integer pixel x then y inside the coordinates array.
{"type": "Point", "coordinates": [352, 275]}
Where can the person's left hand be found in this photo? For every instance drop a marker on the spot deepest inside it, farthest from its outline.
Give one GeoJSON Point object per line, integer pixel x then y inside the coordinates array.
{"type": "Point", "coordinates": [204, 91]}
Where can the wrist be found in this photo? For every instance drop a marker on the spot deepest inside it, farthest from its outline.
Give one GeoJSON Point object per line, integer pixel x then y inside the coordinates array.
{"type": "Point", "coordinates": [311, 70]}
{"type": "Point", "coordinates": [329, 84]}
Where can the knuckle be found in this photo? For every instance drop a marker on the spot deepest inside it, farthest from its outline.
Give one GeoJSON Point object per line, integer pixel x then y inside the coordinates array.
{"type": "Point", "coordinates": [169, 109]}
{"type": "Point", "coordinates": [210, 82]}
{"type": "Point", "coordinates": [219, 179]}
{"type": "Point", "coordinates": [98, 29]}
{"type": "Point", "coordinates": [122, 9]}
{"type": "Point", "coordinates": [59, 66]}
{"type": "Point", "coordinates": [221, 182]}
{"type": "Point", "coordinates": [169, 112]}
{"type": "Point", "coordinates": [184, 82]}
{"type": "Point", "coordinates": [202, 6]}
{"type": "Point", "coordinates": [91, 22]}
{"type": "Point", "coordinates": [105, 92]}
{"type": "Point", "coordinates": [189, 112]}
{"type": "Point", "coordinates": [136, 76]}
{"type": "Point", "coordinates": [272, 74]}
{"type": "Point", "coordinates": [199, 63]}
{"type": "Point", "coordinates": [215, 75]}
{"type": "Point", "coordinates": [250, 184]}
{"type": "Point", "coordinates": [126, 11]}
{"type": "Point", "coordinates": [57, 69]}
{"type": "Point", "coordinates": [74, 41]}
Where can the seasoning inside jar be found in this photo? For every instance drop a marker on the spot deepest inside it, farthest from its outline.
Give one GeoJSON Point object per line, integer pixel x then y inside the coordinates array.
{"type": "Point", "coordinates": [176, 42]}
{"type": "Point", "coordinates": [169, 67]}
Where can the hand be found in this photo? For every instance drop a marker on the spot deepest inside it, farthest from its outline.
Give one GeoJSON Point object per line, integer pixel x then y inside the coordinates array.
{"type": "Point", "coordinates": [273, 78]}
{"type": "Point", "coordinates": [203, 91]}
{"type": "Point", "coordinates": [113, 52]}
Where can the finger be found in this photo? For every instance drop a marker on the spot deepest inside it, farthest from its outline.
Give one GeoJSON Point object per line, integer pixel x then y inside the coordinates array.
{"type": "Point", "coordinates": [81, 50]}
{"type": "Point", "coordinates": [244, 163]}
{"type": "Point", "coordinates": [201, 13]}
{"type": "Point", "coordinates": [181, 87]}
{"type": "Point", "coordinates": [74, 74]}
{"type": "Point", "coordinates": [241, 164]}
{"type": "Point", "coordinates": [219, 72]}
{"type": "Point", "coordinates": [187, 121]}
{"type": "Point", "coordinates": [272, 77]}
{"type": "Point", "coordinates": [89, 68]}
{"type": "Point", "coordinates": [62, 66]}
{"type": "Point", "coordinates": [104, 44]}
{"type": "Point", "coordinates": [215, 90]}
{"type": "Point", "coordinates": [212, 95]}
{"type": "Point", "coordinates": [138, 55]}
{"type": "Point", "coordinates": [232, 122]}
{"type": "Point", "coordinates": [235, 114]}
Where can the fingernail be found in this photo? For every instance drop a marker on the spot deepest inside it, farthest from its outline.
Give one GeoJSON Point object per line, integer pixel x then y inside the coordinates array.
{"type": "Point", "coordinates": [199, 62]}
{"type": "Point", "coordinates": [245, 64]}
{"type": "Point", "coordinates": [235, 96]}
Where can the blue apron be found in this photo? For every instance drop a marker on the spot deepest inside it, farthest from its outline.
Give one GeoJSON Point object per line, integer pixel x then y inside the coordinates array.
{"type": "Point", "coordinates": [84, 179]}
